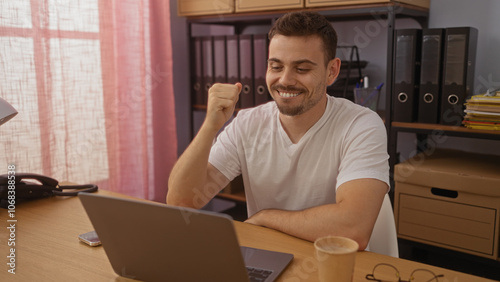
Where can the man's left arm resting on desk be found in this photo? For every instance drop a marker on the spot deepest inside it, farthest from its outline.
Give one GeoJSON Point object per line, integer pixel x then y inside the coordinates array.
{"type": "Point", "coordinates": [353, 215]}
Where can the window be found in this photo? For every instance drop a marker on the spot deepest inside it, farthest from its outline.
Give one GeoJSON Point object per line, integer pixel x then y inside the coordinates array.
{"type": "Point", "coordinates": [51, 73]}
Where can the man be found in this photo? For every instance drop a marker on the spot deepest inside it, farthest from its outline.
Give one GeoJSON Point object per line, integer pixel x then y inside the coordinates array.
{"type": "Point", "coordinates": [312, 165]}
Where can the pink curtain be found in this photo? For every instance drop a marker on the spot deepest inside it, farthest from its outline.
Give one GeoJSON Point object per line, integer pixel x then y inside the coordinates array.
{"type": "Point", "coordinates": [92, 81]}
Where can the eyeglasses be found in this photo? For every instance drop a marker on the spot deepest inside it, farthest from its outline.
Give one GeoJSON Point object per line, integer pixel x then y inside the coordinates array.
{"type": "Point", "coordinates": [387, 272]}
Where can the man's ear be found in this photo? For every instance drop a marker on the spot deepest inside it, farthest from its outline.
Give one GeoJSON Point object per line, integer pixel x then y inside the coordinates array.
{"type": "Point", "coordinates": [333, 70]}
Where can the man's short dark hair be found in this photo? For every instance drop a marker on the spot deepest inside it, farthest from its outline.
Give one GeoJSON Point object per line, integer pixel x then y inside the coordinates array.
{"type": "Point", "coordinates": [306, 23]}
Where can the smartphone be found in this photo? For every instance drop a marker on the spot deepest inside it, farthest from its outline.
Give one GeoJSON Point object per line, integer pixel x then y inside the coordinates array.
{"type": "Point", "coordinates": [90, 238]}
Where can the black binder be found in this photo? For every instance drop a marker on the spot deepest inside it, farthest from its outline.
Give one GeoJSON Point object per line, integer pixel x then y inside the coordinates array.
{"type": "Point", "coordinates": [196, 74]}
{"type": "Point", "coordinates": [207, 65]}
{"type": "Point", "coordinates": [220, 72]}
{"type": "Point", "coordinates": [233, 61]}
{"type": "Point", "coordinates": [260, 43]}
{"type": "Point", "coordinates": [246, 70]}
{"type": "Point", "coordinates": [430, 75]}
{"type": "Point", "coordinates": [458, 72]}
{"type": "Point", "coordinates": [406, 74]}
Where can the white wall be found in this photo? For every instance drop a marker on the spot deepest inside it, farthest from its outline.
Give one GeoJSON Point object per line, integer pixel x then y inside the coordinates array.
{"type": "Point", "coordinates": [483, 15]}
{"type": "Point", "coordinates": [370, 36]}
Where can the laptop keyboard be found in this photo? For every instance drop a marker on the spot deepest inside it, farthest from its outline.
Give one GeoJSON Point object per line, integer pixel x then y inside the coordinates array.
{"type": "Point", "coordinates": [258, 274]}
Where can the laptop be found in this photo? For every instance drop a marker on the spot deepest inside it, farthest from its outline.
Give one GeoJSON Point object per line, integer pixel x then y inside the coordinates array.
{"type": "Point", "coordinates": [157, 242]}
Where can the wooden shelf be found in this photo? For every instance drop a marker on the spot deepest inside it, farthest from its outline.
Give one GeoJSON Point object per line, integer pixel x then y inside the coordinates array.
{"type": "Point", "coordinates": [238, 196]}
{"type": "Point", "coordinates": [200, 107]}
{"type": "Point", "coordinates": [204, 108]}
{"type": "Point", "coordinates": [459, 131]}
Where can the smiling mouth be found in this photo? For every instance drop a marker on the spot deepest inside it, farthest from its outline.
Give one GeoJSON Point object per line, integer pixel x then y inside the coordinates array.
{"type": "Point", "coordinates": [287, 94]}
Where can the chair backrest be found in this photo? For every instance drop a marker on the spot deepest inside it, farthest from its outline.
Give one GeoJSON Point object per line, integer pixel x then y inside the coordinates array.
{"type": "Point", "coordinates": [384, 239]}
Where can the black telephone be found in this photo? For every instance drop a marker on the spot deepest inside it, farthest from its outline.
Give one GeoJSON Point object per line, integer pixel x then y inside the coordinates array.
{"type": "Point", "coordinates": [33, 186]}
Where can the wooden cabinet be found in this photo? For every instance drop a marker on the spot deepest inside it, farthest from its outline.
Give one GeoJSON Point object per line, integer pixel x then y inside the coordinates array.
{"type": "Point", "coordinates": [203, 7]}
{"type": "Point", "coordinates": [224, 7]}
{"type": "Point", "coordinates": [323, 3]}
{"type": "Point", "coordinates": [265, 5]}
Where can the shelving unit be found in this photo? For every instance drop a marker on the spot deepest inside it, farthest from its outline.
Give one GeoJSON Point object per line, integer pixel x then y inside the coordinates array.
{"type": "Point", "coordinates": [424, 130]}
{"type": "Point", "coordinates": [387, 12]}
{"type": "Point", "coordinates": [239, 196]}
{"type": "Point", "coordinates": [458, 131]}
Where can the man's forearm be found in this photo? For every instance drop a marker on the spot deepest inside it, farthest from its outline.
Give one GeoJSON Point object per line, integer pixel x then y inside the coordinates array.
{"type": "Point", "coordinates": [353, 216]}
{"type": "Point", "coordinates": [190, 172]}
{"type": "Point", "coordinates": [312, 223]}
{"type": "Point", "coordinates": [190, 177]}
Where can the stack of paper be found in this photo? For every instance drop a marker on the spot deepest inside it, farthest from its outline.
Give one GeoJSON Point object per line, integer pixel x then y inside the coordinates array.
{"type": "Point", "coordinates": [483, 112]}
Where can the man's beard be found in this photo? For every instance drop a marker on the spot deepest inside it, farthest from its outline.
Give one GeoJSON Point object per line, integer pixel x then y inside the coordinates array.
{"type": "Point", "coordinates": [291, 111]}
{"type": "Point", "coordinates": [294, 110]}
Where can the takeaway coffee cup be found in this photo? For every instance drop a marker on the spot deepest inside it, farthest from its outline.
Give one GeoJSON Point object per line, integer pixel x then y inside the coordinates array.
{"type": "Point", "coordinates": [336, 256]}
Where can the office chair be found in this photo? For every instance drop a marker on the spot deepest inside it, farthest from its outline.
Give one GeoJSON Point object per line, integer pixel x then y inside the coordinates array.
{"type": "Point", "coordinates": [384, 239]}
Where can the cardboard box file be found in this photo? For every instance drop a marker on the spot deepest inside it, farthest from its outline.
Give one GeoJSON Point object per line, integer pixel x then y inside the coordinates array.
{"type": "Point", "coordinates": [450, 199]}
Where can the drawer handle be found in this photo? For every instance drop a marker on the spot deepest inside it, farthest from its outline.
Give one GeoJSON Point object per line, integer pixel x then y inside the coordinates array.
{"type": "Point", "coordinates": [444, 193]}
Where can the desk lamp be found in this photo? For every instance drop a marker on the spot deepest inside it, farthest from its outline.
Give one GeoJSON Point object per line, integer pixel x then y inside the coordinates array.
{"type": "Point", "coordinates": [6, 111]}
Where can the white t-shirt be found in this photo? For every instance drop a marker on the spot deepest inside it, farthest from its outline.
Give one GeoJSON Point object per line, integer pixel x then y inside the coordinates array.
{"type": "Point", "coordinates": [348, 142]}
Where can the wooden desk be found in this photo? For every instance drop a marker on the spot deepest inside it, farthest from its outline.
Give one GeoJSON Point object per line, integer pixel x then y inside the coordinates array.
{"type": "Point", "coordinates": [48, 249]}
